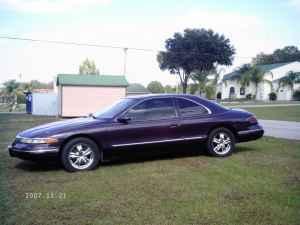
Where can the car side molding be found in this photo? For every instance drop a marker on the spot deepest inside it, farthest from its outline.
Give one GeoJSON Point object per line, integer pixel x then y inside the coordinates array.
{"type": "Point", "coordinates": [161, 141]}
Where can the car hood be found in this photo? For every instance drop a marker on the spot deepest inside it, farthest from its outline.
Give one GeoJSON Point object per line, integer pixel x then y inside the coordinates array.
{"type": "Point", "coordinates": [54, 128]}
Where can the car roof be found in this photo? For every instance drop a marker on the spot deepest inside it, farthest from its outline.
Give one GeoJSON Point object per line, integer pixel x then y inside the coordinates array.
{"type": "Point", "coordinates": [212, 106]}
{"type": "Point", "coordinates": [162, 95]}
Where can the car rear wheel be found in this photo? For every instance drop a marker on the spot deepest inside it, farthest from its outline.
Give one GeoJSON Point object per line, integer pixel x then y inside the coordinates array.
{"type": "Point", "coordinates": [221, 142]}
{"type": "Point", "coordinates": [80, 154]}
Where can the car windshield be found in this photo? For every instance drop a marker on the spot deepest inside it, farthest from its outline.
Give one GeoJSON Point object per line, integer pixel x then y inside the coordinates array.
{"type": "Point", "coordinates": [114, 109]}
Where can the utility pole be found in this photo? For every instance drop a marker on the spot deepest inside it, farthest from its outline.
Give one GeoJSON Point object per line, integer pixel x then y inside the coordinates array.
{"type": "Point", "coordinates": [125, 60]}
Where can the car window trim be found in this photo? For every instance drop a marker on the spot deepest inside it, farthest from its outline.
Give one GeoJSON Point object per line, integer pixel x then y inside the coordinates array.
{"type": "Point", "coordinates": [197, 103]}
{"type": "Point", "coordinates": [143, 100]}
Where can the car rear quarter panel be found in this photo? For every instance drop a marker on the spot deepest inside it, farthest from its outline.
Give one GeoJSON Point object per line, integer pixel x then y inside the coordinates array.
{"type": "Point", "coordinates": [235, 120]}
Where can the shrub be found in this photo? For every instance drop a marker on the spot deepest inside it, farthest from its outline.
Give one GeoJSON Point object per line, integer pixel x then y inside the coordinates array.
{"type": "Point", "coordinates": [248, 96]}
{"type": "Point", "coordinates": [210, 92]}
{"type": "Point", "coordinates": [296, 95]}
{"type": "Point", "coordinates": [272, 96]}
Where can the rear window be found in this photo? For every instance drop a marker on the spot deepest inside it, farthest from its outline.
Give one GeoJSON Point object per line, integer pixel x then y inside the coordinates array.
{"type": "Point", "coordinates": [190, 108]}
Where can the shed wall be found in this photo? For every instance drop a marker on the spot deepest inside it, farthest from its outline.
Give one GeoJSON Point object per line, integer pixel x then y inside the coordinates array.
{"type": "Point", "coordinates": [44, 104]}
{"type": "Point", "coordinates": [81, 100]}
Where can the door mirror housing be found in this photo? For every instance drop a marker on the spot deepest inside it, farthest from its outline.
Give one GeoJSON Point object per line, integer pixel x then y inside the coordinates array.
{"type": "Point", "coordinates": [124, 119]}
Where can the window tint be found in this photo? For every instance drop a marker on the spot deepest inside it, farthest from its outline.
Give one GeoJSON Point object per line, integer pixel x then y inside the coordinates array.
{"type": "Point", "coordinates": [115, 108]}
{"type": "Point", "coordinates": [153, 109]}
{"type": "Point", "coordinates": [189, 108]}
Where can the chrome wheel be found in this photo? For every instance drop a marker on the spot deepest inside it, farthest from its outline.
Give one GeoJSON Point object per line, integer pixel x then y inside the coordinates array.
{"type": "Point", "coordinates": [221, 143]}
{"type": "Point", "coordinates": [81, 156]}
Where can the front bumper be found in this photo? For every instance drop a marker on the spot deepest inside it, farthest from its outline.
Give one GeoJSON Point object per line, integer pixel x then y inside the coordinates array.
{"type": "Point", "coordinates": [253, 133]}
{"type": "Point", "coordinates": [22, 153]}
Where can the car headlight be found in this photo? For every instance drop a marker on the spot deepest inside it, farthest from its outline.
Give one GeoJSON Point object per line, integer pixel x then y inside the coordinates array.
{"type": "Point", "coordinates": [37, 140]}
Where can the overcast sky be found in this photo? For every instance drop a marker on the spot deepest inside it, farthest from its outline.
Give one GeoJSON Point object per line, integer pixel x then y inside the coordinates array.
{"type": "Point", "coordinates": [252, 26]}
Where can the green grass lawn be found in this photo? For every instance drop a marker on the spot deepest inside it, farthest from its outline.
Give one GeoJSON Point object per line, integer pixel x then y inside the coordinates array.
{"type": "Point", "coordinates": [286, 113]}
{"type": "Point", "coordinates": [259, 184]}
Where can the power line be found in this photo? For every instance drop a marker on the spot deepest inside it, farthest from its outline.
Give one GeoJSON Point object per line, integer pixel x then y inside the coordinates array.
{"type": "Point", "coordinates": [75, 43]}
{"type": "Point", "coordinates": [90, 44]}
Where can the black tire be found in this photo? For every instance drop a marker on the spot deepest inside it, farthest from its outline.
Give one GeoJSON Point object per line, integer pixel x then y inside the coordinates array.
{"type": "Point", "coordinates": [226, 149]}
{"type": "Point", "coordinates": [72, 152]}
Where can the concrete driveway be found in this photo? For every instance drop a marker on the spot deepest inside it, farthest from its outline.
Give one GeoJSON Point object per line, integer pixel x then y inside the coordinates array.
{"type": "Point", "coordinates": [281, 129]}
{"type": "Point", "coordinates": [261, 106]}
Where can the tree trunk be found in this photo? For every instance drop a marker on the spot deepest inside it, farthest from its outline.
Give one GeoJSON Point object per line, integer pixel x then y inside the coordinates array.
{"type": "Point", "coordinates": [184, 87]}
{"type": "Point", "coordinates": [256, 90]}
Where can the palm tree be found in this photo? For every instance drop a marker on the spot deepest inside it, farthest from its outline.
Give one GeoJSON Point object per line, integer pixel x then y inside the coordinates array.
{"type": "Point", "coordinates": [217, 75]}
{"type": "Point", "coordinates": [203, 84]}
{"type": "Point", "coordinates": [257, 76]}
{"type": "Point", "coordinates": [200, 79]}
{"type": "Point", "coordinates": [250, 74]}
{"type": "Point", "coordinates": [245, 77]}
{"type": "Point", "coordinates": [289, 80]}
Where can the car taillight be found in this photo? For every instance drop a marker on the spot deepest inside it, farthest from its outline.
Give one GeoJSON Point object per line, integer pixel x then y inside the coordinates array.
{"type": "Point", "coordinates": [252, 120]}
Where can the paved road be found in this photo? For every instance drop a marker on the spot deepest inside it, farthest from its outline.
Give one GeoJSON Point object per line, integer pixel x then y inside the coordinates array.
{"type": "Point", "coordinates": [266, 105]}
{"type": "Point", "coordinates": [281, 129]}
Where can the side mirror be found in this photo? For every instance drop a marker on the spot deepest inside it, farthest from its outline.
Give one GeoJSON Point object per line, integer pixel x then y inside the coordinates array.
{"type": "Point", "coordinates": [124, 119]}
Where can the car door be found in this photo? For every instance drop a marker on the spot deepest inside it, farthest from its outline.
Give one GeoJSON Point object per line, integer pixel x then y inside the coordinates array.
{"type": "Point", "coordinates": [151, 121]}
{"type": "Point", "coordinates": [195, 119]}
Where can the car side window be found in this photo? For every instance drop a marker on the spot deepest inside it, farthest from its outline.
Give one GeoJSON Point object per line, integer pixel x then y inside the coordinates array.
{"type": "Point", "coordinates": [190, 108]}
{"type": "Point", "coordinates": [153, 109]}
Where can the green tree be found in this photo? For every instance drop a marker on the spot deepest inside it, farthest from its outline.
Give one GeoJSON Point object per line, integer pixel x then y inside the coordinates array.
{"type": "Point", "coordinates": [257, 76]}
{"type": "Point", "coordinates": [169, 89]}
{"type": "Point", "coordinates": [289, 80]}
{"type": "Point", "coordinates": [11, 86]}
{"type": "Point", "coordinates": [194, 50]}
{"type": "Point", "coordinates": [217, 74]}
{"type": "Point", "coordinates": [210, 91]}
{"type": "Point", "coordinates": [155, 87]}
{"type": "Point", "coordinates": [12, 89]}
{"type": "Point", "coordinates": [88, 67]}
{"type": "Point", "coordinates": [203, 84]}
{"type": "Point", "coordinates": [249, 74]}
{"type": "Point", "coordinates": [245, 71]}
{"type": "Point", "coordinates": [35, 84]}
{"type": "Point", "coordinates": [201, 80]}
{"type": "Point", "coordinates": [286, 54]}
{"type": "Point", "coordinates": [193, 88]}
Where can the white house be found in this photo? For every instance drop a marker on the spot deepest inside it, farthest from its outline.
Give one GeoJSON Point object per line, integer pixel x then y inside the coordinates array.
{"type": "Point", "coordinates": [230, 86]}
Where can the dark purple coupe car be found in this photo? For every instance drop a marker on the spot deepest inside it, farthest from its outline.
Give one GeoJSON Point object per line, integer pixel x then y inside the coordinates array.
{"type": "Point", "coordinates": [82, 143]}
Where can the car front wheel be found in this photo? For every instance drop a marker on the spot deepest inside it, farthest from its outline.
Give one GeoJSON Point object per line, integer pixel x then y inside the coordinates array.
{"type": "Point", "coordinates": [221, 142]}
{"type": "Point", "coordinates": [80, 154]}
